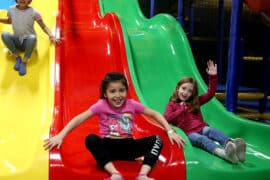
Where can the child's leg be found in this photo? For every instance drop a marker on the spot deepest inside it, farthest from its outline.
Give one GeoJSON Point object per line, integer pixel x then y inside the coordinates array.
{"type": "Point", "coordinates": [203, 142]}
{"type": "Point", "coordinates": [12, 42]}
{"type": "Point", "coordinates": [229, 148]}
{"type": "Point", "coordinates": [96, 146]}
{"type": "Point", "coordinates": [150, 147]}
{"type": "Point", "coordinates": [101, 149]}
{"type": "Point", "coordinates": [107, 150]}
{"type": "Point", "coordinates": [29, 45]}
{"type": "Point", "coordinates": [216, 135]}
{"type": "Point", "coordinates": [110, 168]}
{"type": "Point", "coordinates": [154, 145]}
{"type": "Point", "coordinates": [199, 140]}
{"type": "Point", "coordinates": [145, 169]}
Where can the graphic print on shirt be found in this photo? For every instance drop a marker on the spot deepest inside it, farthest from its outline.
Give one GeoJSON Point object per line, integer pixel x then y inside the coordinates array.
{"type": "Point", "coordinates": [119, 124]}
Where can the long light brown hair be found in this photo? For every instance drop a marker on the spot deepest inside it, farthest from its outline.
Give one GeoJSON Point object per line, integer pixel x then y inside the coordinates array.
{"type": "Point", "coordinates": [193, 101]}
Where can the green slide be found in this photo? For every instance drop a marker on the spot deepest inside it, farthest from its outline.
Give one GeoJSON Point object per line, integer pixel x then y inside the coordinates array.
{"type": "Point", "coordinates": [158, 56]}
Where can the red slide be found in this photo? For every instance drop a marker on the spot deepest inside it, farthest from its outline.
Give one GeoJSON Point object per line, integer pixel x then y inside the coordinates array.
{"type": "Point", "coordinates": [92, 46]}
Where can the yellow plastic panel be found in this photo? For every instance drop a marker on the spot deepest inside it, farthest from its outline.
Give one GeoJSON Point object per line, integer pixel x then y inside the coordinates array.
{"type": "Point", "coordinates": [26, 104]}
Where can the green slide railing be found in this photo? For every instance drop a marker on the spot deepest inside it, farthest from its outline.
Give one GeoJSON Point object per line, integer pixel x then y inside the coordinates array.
{"type": "Point", "coordinates": [159, 55]}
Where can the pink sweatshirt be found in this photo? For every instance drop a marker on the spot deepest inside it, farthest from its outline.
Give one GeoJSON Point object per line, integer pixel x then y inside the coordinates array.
{"type": "Point", "coordinates": [189, 122]}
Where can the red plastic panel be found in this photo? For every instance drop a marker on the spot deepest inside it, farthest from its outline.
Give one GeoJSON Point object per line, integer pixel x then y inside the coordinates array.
{"type": "Point", "coordinates": [258, 5]}
{"type": "Point", "coordinates": [92, 46]}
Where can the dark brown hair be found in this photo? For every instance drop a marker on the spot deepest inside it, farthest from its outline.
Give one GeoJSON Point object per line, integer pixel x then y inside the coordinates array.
{"type": "Point", "coordinates": [112, 77]}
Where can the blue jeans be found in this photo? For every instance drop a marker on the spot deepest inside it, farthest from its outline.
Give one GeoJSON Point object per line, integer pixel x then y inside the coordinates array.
{"type": "Point", "coordinates": [14, 45]}
{"type": "Point", "coordinates": [207, 137]}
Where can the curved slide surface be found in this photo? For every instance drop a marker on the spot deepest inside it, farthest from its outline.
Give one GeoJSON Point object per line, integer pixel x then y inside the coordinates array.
{"type": "Point", "coordinates": [92, 46]}
{"type": "Point", "coordinates": [158, 56]}
{"type": "Point", "coordinates": [26, 105]}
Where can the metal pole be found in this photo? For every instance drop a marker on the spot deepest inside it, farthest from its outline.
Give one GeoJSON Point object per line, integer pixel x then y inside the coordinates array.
{"type": "Point", "coordinates": [266, 77]}
{"type": "Point", "coordinates": [233, 56]}
{"type": "Point", "coordinates": [191, 19]}
{"type": "Point", "coordinates": [220, 37]}
{"type": "Point", "coordinates": [152, 8]}
{"type": "Point", "coordinates": [180, 11]}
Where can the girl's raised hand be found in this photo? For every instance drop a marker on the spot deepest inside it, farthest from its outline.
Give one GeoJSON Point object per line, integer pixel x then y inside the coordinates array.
{"type": "Point", "coordinates": [211, 68]}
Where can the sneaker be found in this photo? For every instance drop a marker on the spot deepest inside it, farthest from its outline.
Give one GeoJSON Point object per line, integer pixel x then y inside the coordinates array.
{"type": "Point", "coordinates": [143, 176]}
{"type": "Point", "coordinates": [17, 64]}
{"type": "Point", "coordinates": [115, 175]}
{"type": "Point", "coordinates": [240, 149]}
{"type": "Point", "coordinates": [22, 69]}
{"type": "Point", "coordinates": [230, 153]}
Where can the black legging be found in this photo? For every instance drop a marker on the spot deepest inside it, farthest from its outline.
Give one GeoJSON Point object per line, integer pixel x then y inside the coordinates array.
{"type": "Point", "coordinates": [106, 150]}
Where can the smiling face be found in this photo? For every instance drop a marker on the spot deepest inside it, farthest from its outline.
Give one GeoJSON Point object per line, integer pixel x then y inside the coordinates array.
{"type": "Point", "coordinates": [116, 94]}
{"type": "Point", "coordinates": [185, 91]}
{"type": "Point", "coordinates": [23, 4]}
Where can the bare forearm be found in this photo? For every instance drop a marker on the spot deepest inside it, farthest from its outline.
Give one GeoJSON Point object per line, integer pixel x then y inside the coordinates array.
{"type": "Point", "coordinates": [158, 117]}
{"type": "Point", "coordinates": [76, 121]}
{"type": "Point", "coordinates": [44, 27]}
{"type": "Point", "coordinates": [162, 121]}
{"type": "Point", "coordinates": [170, 132]}
{"type": "Point", "coordinates": [5, 21]}
{"type": "Point", "coordinates": [58, 139]}
{"type": "Point", "coordinates": [47, 31]}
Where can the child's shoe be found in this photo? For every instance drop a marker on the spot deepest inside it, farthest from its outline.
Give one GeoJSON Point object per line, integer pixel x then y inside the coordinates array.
{"type": "Point", "coordinates": [230, 152]}
{"type": "Point", "coordinates": [22, 69]}
{"type": "Point", "coordinates": [240, 149]}
{"type": "Point", "coordinates": [116, 176]}
{"type": "Point", "coordinates": [17, 64]}
{"type": "Point", "coordinates": [142, 176]}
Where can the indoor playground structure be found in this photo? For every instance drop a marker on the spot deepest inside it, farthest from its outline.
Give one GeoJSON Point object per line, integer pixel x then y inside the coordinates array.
{"type": "Point", "coordinates": [99, 36]}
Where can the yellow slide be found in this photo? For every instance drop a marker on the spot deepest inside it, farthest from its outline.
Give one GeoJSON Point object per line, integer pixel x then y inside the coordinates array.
{"type": "Point", "coordinates": [26, 104]}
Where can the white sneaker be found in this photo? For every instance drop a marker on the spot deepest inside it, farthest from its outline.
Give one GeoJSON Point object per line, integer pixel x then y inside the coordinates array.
{"type": "Point", "coordinates": [230, 153]}
{"type": "Point", "coordinates": [240, 149]}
